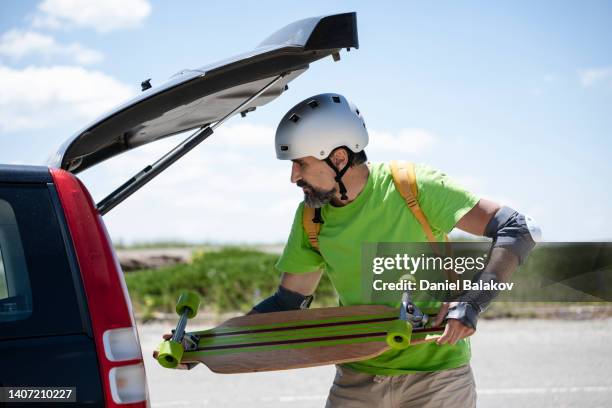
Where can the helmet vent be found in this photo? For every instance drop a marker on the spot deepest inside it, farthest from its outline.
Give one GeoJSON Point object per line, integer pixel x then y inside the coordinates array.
{"type": "Point", "coordinates": [357, 112]}
{"type": "Point", "coordinates": [336, 99]}
{"type": "Point", "coordinates": [294, 118]}
{"type": "Point", "coordinates": [313, 104]}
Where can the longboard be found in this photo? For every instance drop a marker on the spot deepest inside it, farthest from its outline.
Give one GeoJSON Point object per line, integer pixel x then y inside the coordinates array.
{"type": "Point", "coordinates": [298, 339]}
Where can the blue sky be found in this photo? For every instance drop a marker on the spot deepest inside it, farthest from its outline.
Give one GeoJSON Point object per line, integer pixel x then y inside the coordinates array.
{"type": "Point", "coordinates": [513, 100]}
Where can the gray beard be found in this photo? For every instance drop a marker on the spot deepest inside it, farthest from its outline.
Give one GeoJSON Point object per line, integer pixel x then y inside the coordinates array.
{"type": "Point", "coordinates": [318, 198]}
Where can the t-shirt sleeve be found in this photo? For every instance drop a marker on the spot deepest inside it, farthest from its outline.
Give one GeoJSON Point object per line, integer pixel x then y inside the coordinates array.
{"type": "Point", "coordinates": [298, 256]}
{"type": "Point", "coordinates": [442, 199]}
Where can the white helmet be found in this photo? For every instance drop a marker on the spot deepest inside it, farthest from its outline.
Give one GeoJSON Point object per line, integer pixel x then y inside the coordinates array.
{"type": "Point", "coordinates": [318, 125]}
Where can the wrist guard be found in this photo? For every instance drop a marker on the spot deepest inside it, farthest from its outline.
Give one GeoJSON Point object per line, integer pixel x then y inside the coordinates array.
{"type": "Point", "coordinates": [481, 299]}
{"type": "Point", "coordinates": [282, 300]}
{"type": "Point", "coordinates": [465, 312]}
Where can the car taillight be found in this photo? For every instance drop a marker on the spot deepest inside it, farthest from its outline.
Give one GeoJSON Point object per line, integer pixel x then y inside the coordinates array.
{"type": "Point", "coordinates": [128, 384]}
{"type": "Point", "coordinates": [121, 344]}
{"type": "Point", "coordinates": [115, 335]}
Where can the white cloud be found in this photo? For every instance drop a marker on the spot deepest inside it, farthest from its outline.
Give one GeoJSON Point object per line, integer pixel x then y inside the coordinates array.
{"type": "Point", "coordinates": [43, 21]}
{"type": "Point", "coordinates": [591, 76]}
{"type": "Point", "coordinates": [38, 97]}
{"type": "Point", "coordinates": [17, 44]}
{"type": "Point", "coordinates": [409, 140]}
{"type": "Point", "coordinates": [103, 16]}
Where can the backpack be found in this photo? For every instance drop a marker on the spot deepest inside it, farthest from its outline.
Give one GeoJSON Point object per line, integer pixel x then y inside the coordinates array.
{"type": "Point", "coordinates": [404, 178]}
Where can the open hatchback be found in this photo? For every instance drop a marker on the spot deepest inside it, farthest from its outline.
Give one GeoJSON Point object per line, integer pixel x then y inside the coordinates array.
{"type": "Point", "coordinates": [204, 98]}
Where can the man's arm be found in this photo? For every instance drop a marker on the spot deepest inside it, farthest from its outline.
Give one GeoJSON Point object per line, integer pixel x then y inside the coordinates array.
{"type": "Point", "coordinates": [487, 218]}
{"type": "Point", "coordinates": [294, 292]}
{"type": "Point", "coordinates": [303, 283]}
{"type": "Point", "coordinates": [475, 221]}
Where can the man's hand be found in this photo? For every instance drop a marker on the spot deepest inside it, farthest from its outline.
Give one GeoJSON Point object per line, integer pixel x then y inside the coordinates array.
{"type": "Point", "coordinates": [454, 330]}
{"type": "Point", "coordinates": [166, 336]}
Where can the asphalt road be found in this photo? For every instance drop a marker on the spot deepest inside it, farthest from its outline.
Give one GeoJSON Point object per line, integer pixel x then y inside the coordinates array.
{"type": "Point", "coordinates": [517, 363]}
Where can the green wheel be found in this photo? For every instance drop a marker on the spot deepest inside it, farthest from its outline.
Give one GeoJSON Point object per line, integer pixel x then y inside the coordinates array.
{"type": "Point", "coordinates": [189, 301]}
{"type": "Point", "coordinates": [398, 335]}
{"type": "Point", "coordinates": [170, 353]}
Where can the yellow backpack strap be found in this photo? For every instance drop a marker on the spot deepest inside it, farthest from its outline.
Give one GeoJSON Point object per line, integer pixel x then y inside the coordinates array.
{"type": "Point", "coordinates": [404, 178]}
{"type": "Point", "coordinates": [311, 227]}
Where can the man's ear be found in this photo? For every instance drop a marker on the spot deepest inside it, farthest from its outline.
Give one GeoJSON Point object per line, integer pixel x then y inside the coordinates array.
{"type": "Point", "coordinates": [340, 158]}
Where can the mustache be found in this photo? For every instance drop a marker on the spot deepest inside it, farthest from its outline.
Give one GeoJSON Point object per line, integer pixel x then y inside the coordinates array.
{"type": "Point", "coordinates": [302, 183]}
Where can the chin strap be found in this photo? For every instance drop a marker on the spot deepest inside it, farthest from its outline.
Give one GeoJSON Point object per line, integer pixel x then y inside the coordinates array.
{"type": "Point", "coordinates": [339, 174]}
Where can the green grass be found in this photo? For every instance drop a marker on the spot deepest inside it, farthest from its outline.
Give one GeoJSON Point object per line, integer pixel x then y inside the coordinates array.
{"type": "Point", "coordinates": [119, 244]}
{"type": "Point", "coordinates": [161, 244]}
{"type": "Point", "coordinates": [231, 279]}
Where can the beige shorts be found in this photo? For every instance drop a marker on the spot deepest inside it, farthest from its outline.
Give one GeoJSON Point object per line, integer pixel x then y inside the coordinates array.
{"type": "Point", "coordinates": [448, 388]}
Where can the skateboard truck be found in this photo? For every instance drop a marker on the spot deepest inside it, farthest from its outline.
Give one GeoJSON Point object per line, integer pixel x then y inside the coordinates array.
{"type": "Point", "coordinates": [189, 341]}
{"type": "Point", "coordinates": [171, 351]}
{"type": "Point", "coordinates": [400, 332]}
{"type": "Point", "coordinates": [411, 313]}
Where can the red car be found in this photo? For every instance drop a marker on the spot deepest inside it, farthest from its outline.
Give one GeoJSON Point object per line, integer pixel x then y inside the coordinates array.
{"type": "Point", "coordinates": [67, 331]}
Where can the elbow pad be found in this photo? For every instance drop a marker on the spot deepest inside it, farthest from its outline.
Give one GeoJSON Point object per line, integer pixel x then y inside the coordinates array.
{"type": "Point", "coordinates": [514, 231]}
{"type": "Point", "coordinates": [282, 300]}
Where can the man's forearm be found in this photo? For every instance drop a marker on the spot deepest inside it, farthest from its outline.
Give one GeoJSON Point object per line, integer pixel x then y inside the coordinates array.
{"type": "Point", "coordinates": [502, 263]}
{"type": "Point", "coordinates": [294, 293]}
{"type": "Point", "coordinates": [282, 300]}
{"type": "Point", "coordinates": [512, 242]}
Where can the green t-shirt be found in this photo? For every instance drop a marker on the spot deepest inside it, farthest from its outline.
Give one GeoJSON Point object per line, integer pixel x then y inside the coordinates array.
{"type": "Point", "coordinates": [380, 214]}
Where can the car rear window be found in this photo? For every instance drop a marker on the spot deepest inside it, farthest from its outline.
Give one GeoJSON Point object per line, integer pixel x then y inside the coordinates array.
{"type": "Point", "coordinates": [15, 292]}
{"type": "Point", "coordinates": [39, 290]}
{"type": "Point", "coordinates": [3, 284]}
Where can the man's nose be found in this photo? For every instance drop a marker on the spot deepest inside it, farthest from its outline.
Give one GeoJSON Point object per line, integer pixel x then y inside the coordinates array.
{"type": "Point", "coordinates": [295, 173]}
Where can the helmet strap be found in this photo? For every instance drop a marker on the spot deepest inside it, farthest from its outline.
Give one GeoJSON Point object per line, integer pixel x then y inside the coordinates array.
{"type": "Point", "coordinates": [339, 174]}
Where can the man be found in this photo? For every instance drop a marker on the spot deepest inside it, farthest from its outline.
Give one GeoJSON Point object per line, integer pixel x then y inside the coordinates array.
{"type": "Point", "coordinates": [324, 136]}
